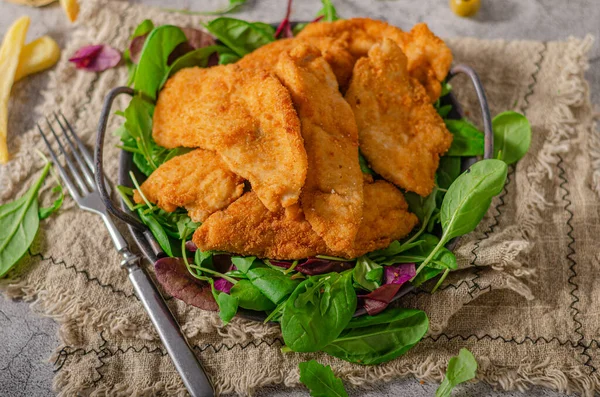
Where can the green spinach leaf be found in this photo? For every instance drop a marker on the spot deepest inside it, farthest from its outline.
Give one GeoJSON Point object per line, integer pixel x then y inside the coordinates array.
{"type": "Point", "coordinates": [448, 171]}
{"type": "Point", "coordinates": [467, 201]}
{"type": "Point", "coordinates": [243, 263]}
{"type": "Point", "coordinates": [377, 339]}
{"type": "Point", "coordinates": [19, 221]}
{"type": "Point", "coordinates": [320, 380]}
{"type": "Point", "coordinates": [143, 28]}
{"type": "Point", "coordinates": [364, 267]}
{"type": "Point", "coordinates": [152, 67]}
{"type": "Point", "coordinates": [228, 306]}
{"type": "Point", "coordinates": [138, 123]}
{"type": "Point", "coordinates": [272, 283]}
{"type": "Point", "coordinates": [364, 165]}
{"type": "Point", "coordinates": [460, 369]}
{"type": "Point", "coordinates": [512, 136]}
{"type": "Point", "coordinates": [305, 326]}
{"type": "Point", "coordinates": [328, 12]}
{"type": "Point", "coordinates": [250, 297]}
{"type": "Point", "coordinates": [467, 139]}
{"type": "Point", "coordinates": [197, 57]}
{"type": "Point", "coordinates": [241, 36]}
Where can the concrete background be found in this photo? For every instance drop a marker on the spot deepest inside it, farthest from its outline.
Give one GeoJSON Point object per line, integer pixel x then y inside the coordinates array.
{"type": "Point", "coordinates": [28, 340]}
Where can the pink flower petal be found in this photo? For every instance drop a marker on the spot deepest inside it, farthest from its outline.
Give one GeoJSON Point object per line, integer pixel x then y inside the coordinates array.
{"type": "Point", "coordinates": [96, 58]}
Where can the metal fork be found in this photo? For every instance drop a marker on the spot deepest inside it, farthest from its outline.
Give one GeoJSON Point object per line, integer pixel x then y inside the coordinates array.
{"type": "Point", "coordinates": [77, 174]}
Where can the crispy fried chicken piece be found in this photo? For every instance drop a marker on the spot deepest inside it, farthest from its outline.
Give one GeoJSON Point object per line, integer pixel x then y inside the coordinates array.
{"type": "Point", "coordinates": [247, 117]}
{"type": "Point", "coordinates": [246, 227]}
{"type": "Point", "coordinates": [332, 195]}
{"type": "Point", "coordinates": [400, 133]}
{"type": "Point", "coordinates": [199, 181]}
{"type": "Point", "coordinates": [429, 58]}
{"type": "Point", "coordinates": [334, 49]}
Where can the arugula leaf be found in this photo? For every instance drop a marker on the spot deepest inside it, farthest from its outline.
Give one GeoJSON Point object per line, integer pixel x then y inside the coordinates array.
{"type": "Point", "coordinates": [19, 221]}
{"type": "Point", "coordinates": [250, 297]}
{"type": "Point", "coordinates": [45, 212]}
{"type": "Point", "coordinates": [460, 369]}
{"type": "Point", "coordinates": [377, 339]}
{"type": "Point", "coordinates": [305, 326]}
{"type": "Point", "coordinates": [157, 230]}
{"type": "Point", "coordinates": [272, 283]}
{"type": "Point", "coordinates": [320, 380]}
{"type": "Point", "coordinates": [328, 12]}
{"type": "Point", "coordinates": [512, 136]}
{"type": "Point", "coordinates": [467, 139]}
{"type": "Point", "coordinates": [152, 66]}
{"type": "Point", "coordinates": [241, 36]}
{"type": "Point", "coordinates": [364, 267]}
{"type": "Point", "coordinates": [467, 201]}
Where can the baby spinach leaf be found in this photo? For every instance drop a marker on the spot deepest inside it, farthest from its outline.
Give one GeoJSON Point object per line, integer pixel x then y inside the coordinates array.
{"type": "Point", "coordinates": [138, 123]}
{"type": "Point", "coordinates": [204, 259]}
{"type": "Point", "coordinates": [364, 165]}
{"type": "Point", "coordinates": [512, 136]}
{"type": "Point", "coordinates": [143, 28]}
{"type": "Point", "coordinates": [448, 171]}
{"type": "Point", "coordinates": [241, 36]}
{"type": "Point", "coordinates": [197, 57]}
{"type": "Point", "coordinates": [152, 67]}
{"type": "Point", "coordinates": [228, 306]}
{"type": "Point", "coordinates": [227, 58]}
{"type": "Point", "coordinates": [243, 263]}
{"type": "Point", "coordinates": [320, 380]}
{"type": "Point", "coordinates": [45, 212]}
{"type": "Point", "coordinates": [444, 110]}
{"type": "Point", "coordinates": [467, 139]}
{"type": "Point", "coordinates": [467, 201]}
{"type": "Point", "coordinates": [364, 267]}
{"type": "Point", "coordinates": [19, 222]}
{"type": "Point", "coordinates": [328, 12]}
{"type": "Point", "coordinates": [272, 283]}
{"type": "Point", "coordinates": [250, 297]}
{"type": "Point", "coordinates": [306, 327]}
{"type": "Point", "coordinates": [377, 339]}
{"type": "Point", "coordinates": [460, 369]}
{"type": "Point", "coordinates": [157, 230]}
{"type": "Point", "coordinates": [423, 208]}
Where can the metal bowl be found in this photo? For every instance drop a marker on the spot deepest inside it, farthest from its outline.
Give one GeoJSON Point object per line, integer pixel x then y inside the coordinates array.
{"type": "Point", "coordinates": [144, 238]}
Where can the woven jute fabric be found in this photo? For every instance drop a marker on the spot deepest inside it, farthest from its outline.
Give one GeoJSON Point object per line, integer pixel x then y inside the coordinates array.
{"type": "Point", "coordinates": [525, 301]}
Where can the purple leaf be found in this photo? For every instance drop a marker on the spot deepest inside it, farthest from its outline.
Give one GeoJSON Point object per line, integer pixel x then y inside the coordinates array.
{"type": "Point", "coordinates": [197, 38]}
{"type": "Point", "coordinates": [223, 285]}
{"type": "Point", "coordinates": [285, 28]}
{"type": "Point", "coordinates": [178, 282]}
{"type": "Point", "coordinates": [190, 246]}
{"type": "Point", "coordinates": [399, 274]}
{"type": "Point", "coordinates": [377, 300]}
{"type": "Point", "coordinates": [135, 47]}
{"type": "Point", "coordinates": [313, 266]}
{"type": "Point", "coordinates": [96, 58]}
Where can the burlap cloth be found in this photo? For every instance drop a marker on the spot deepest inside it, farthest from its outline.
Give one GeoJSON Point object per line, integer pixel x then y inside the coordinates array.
{"type": "Point", "coordinates": [525, 303]}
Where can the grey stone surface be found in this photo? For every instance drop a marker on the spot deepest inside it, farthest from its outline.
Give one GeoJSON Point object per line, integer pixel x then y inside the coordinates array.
{"type": "Point", "coordinates": [28, 340]}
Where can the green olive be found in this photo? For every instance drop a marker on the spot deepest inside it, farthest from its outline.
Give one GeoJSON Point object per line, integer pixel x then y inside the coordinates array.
{"type": "Point", "coordinates": [465, 8]}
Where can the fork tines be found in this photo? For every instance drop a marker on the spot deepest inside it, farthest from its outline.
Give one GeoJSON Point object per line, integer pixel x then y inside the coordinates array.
{"type": "Point", "coordinates": [79, 178]}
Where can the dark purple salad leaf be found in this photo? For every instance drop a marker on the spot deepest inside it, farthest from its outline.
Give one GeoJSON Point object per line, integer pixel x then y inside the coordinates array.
{"type": "Point", "coordinates": [284, 30]}
{"type": "Point", "coordinates": [314, 266]}
{"type": "Point", "coordinates": [136, 46]}
{"type": "Point", "coordinates": [223, 285]}
{"type": "Point", "coordinates": [96, 58]}
{"type": "Point", "coordinates": [399, 274]}
{"type": "Point", "coordinates": [195, 39]}
{"type": "Point", "coordinates": [198, 38]}
{"type": "Point", "coordinates": [376, 301]}
{"type": "Point", "coordinates": [178, 282]}
{"type": "Point", "coordinates": [190, 246]}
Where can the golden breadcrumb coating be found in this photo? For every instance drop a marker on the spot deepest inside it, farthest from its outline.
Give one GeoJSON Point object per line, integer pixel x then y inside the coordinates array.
{"type": "Point", "coordinates": [400, 132]}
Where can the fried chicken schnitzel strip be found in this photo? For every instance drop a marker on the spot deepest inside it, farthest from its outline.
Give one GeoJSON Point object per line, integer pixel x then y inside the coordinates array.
{"type": "Point", "coordinates": [334, 49]}
{"type": "Point", "coordinates": [199, 181]}
{"type": "Point", "coordinates": [429, 58]}
{"type": "Point", "coordinates": [246, 227]}
{"type": "Point", "coordinates": [400, 133]}
{"type": "Point", "coordinates": [332, 197]}
{"type": "Point", "coordinates": [247, 117]}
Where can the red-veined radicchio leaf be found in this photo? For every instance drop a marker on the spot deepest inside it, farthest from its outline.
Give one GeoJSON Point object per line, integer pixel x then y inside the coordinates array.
{"type": "Point", "coordinates": [96, 58]}
{"type": "Point", "coordinates": [285, 27]}
{"type": "Point", "coordinates": [395, 276]}
{"type": "Point", "coordinates": [313, 266]}
{"type": "Point", "coordinates": [399, 274]}
{"type": "Point", "coordinates": [178, 282]}
{"type": "Point", "coordinates": [190, 246]}
{"type": "Point", "coordinates": [223, 285]}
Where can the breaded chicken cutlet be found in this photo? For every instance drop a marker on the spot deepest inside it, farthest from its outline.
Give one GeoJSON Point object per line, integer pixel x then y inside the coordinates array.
{"type": "Point", "coordinates": [246, 116]}
{"type": "Point", "coordinates": [332, 197]}
{"type": "Point", "coordinates": [248, 228]}
{"type": "Point", "coordinates": [401, 134]}
{"type": "Point", "coordinates": [429, 58]}
{"type": "Point", "coordinates": [199, 181]}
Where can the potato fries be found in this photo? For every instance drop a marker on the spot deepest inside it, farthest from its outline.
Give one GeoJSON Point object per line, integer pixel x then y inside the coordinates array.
{"type": "Point", "coordinates": [12, 45]}
{"type": "Point", "coordinates": [71, 7]}
{"type": "Point", "coordinates": [40, 54]}
{"type": "Point", "coordinates": [32, 3]}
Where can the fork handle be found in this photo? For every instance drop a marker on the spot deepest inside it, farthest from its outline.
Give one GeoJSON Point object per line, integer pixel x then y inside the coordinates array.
{"type": "Point", "coordinates": [186, 362]}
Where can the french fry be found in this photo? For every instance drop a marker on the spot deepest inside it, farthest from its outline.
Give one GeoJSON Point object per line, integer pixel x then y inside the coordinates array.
{"type": "Point", "coordinates": [32, 3]}
{"type": "Point", "coordinates": [71, 7]}
{"type": "Point", "coordinates": [12, 44]}
{"type": "Point", "coordinates": [40, 54]}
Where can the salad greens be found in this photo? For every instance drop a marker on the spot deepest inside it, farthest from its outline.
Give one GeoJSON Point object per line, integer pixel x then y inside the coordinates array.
{"type": "Point", "coordinates": [320, 380]}
{"type": "Point", "coordinates": [460, 369]}
{"type": "Point", "coordinates": [20, 219]}
{"type": "Point", "coordinates": [314, 299]}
